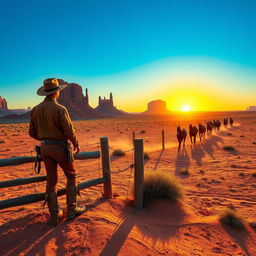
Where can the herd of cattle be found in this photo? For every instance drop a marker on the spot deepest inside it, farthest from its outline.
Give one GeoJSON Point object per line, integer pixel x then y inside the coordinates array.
{"type": "Point", "coordinates": [201, 130]}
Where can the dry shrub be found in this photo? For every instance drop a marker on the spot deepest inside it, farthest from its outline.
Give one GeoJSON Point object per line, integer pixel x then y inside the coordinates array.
{"type": "Point", "coordinates": [142, 131]}
{"type": "Point", "coordinates": [2, 141]}
{"type": "Point", "coordinates": [231, 218]}
{"type": "Point", "coordinates": [254, 174]}
{"type": "Point", "coordinates": [118, 152]}
{"type": "Point", "coordinates": [159, 185]}
{"type": "Point", "coordinates": [146, 156]}
{"type": "Point", "coordinates": [228, 147]}
{"type": "Point", "coordinates": [184, 172]}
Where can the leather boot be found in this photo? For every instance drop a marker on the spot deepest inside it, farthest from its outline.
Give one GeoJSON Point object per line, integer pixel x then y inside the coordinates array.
{"type": "Point", "coordinates": [55, 212]}
{"type": "Point", "coordinates": [72, 209]}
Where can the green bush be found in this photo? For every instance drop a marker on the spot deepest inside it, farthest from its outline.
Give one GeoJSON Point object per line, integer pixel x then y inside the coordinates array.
{"type": "Point", "coordinates": [159, 185]}
{"type": "Point", "coordinates": [231, 218]}
{"type": "Point", "coordinates": [228, 147]}
{"type": "Point", "coordinates": [118, 152]}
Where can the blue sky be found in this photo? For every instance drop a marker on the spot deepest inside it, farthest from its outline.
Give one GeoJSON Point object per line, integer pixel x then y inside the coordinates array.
{"type": "Point", "coordinates": [90, 42]}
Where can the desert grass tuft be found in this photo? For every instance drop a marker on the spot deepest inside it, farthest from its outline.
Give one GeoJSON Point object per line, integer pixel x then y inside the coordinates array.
{"type": "Point", "coordinates": [159, 185]}
{"type": "Point", "coordinates": [184, 172]}
{"type": "Point", "coordinates": [254, 174]}
{"type": "Point", "coordinates": [231, 218]}
{"type": "Point", "coordinates": [2, 141]}
{"type": "Point", "coordinates": [146, 156]}
{"type": "Point", "coordinates": [228, 148]}
{"type": "Point", "coordinates": [118, 152]}
{"type": "Point", "coordinates": [142, 131]}
{"type": "Point", "coordinates": [253, 224]}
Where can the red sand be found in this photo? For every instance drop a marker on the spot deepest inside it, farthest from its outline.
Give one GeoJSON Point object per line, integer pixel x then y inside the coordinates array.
{"type": "Point", "coordinates": [217, 178]}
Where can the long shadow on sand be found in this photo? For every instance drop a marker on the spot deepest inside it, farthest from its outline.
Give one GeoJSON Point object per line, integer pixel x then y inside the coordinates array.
{"type": "Point", "coordinates": [211, 143]}
{"type": "Point", "coordinates": [158, 160]}
{"type": "Point", "coordinates": [197, 153]}
{"type": "Point", "coordinates": [182, 161]}
{"type": "Point", "coordinates": [32, 235]}
{"type": "Point", "coordinates": [161, 221]}
{"type": "Point", "coordinates": [239, 236]}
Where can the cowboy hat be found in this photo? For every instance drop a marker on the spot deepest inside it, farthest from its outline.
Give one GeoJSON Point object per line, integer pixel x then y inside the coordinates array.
{"type": "Point", "coordinates": [51, 85]}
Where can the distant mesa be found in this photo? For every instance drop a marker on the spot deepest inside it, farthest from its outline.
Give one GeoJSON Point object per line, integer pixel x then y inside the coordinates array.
{"type": "Point", "coordinates": [4, 107]}
{"type": "Point", "coordinates": [156, 107]}
{"type": "Point", "coordinates": [77, 104]}
{"type": "Point", "coordinates": [74, 100]}
{"type": "Point", "coordinates": [3, 103]}
{"type": "Point", "coordinates": [106, 107]}
{"type": "Point", "coordinates": [251, 108]}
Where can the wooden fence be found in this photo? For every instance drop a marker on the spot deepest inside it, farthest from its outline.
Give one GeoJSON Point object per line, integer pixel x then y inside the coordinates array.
{"type": "Point", "coordinates": [105, 179]}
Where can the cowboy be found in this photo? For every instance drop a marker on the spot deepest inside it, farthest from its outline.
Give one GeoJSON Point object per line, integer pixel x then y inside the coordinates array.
{"type": "Point", "coordinates": [50, 123]}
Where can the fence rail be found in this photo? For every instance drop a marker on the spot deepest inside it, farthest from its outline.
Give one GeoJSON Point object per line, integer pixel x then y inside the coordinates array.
{"type": "Point", "coordinates": [32, 198]}
{"type": "Point", "coordinates": [28, 199]}
{"type": "Point", "coordinates": [31, 159]}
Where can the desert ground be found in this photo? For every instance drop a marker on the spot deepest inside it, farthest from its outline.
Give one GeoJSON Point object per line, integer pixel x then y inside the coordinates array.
{"type": "Point", "coordinates": [213, 179]}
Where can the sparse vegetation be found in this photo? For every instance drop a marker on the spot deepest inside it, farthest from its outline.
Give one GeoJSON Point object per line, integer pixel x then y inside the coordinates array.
{"type": "Point", "coordinates": [229, 134]}
{"type": "Point", "coordinates": [228, 148]}
{"type": "Point", "coordinates": [254, 174]}
{"type": "Point", "coordinates": [253, 224]}
{"type": "Point", "coordinates": [146, 156]}
{"type": "Point", "coordinates": [142, 131]}
{"type": "Point", "coordinates": [2, 141]}
{"type": "Point", "coordinates": [231, 218]}
{"type": "Point", "coordinates": [159, 185]}
{"type": "Point", "coordinates": [184, 172]}
{"type": "Point", "coordinates": [118, 152]}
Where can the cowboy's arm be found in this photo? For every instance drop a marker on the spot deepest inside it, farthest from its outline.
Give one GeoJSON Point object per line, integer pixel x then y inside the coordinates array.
{"type": "Point", "coordinates": [68, 128]}
{"type": "Point", "coordinates": [32, 130]}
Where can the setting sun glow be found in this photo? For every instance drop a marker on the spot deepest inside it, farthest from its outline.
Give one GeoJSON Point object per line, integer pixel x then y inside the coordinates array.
{"type": "Point", "coordinates": [186, 108]}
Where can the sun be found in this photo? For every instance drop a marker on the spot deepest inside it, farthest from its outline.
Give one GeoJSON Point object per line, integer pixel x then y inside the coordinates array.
{"type": "Point", "coordinates": [186, 108]}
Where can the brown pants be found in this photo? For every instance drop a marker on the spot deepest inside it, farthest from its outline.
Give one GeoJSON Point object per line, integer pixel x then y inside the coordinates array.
{"type": "Point", "coordinates": [52, 156]}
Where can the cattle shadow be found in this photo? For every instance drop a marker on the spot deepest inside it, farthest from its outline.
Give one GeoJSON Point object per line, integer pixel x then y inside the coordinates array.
{"type": "Point", "coordinates": [182, 161]}
{"type": "Point", "coordinates": [197, 153]}
{"type": "Point", "coordinates": [210, 144]}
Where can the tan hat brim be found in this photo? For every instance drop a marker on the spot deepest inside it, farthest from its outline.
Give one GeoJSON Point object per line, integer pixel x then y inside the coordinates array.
{"type": "Point", "coordinates": [41, 91]}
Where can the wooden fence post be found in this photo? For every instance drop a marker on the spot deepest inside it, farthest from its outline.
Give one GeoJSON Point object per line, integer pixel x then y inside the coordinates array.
{"type": "Point", "coordinates": [106, 167]}
{"type": "Point", "coordinates": [163, 146]}
{"type": "Point", "coordinates": [138, 173]}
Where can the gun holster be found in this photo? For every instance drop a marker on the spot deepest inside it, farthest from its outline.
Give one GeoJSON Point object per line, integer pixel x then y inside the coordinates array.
{"type": "Point", "coordinates": [37, 166]}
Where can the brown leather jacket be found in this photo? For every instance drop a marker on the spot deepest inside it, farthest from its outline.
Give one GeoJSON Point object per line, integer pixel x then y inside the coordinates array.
{"type": "Point", "coordinates": [50, 120]}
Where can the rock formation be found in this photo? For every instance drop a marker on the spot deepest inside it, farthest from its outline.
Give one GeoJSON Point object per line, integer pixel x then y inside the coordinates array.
{"type": "Point", "coordinates": [251, 108]}
{"type": "Point", "coordinates": [106, 107]}
{"type": "Point", "coordinates": [157, 107]}
{"type": "Point", "coordinates": [3, 103]}
{"type": "Point", "coordinates": [4, 107]}
{"type": "Point", "coordinates": [77, 104]}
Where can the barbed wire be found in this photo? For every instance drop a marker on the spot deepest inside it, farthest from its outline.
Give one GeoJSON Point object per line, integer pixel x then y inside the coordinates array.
{"type": "Point", "coordinates": [122, 170]}
{"type": "Point", "coordinates": [92, 144]}
{"type": "Point", "coordinates": [129, 150]}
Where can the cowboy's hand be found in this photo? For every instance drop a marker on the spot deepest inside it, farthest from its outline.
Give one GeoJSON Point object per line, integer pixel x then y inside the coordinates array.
{"type": "Point", "coordinates": [77, 149]}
